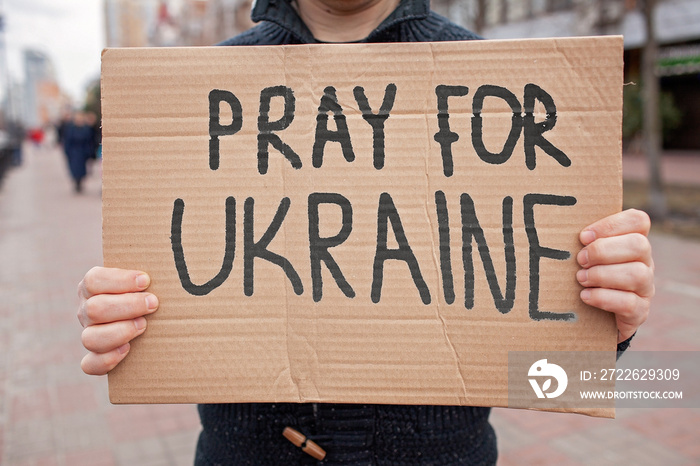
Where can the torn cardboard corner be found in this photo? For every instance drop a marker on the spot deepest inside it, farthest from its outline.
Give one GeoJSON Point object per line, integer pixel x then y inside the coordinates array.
{"type": "Point", "coordinates": [358, 223]}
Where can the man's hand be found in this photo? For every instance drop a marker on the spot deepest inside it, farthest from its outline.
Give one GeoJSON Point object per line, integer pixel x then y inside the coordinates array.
{"type": "Point", "coordinates": [112, 305]}
{"type": "Point", "coordinates": [617, 268]}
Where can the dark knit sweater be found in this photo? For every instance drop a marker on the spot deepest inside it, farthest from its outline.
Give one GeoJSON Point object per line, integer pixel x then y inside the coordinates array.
{"type": "Point", "coordinates": [251, 434]}
{"type": "Point", "coordinates": [412, 21]}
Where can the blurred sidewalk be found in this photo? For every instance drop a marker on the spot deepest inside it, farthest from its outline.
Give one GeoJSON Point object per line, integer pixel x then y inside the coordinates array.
{"type": "Point", "coordinates": [53, 414]}
{"type": "Point", "coordinates": [681, 167]}
{"type": "Point", "coordinates": [50, 412]}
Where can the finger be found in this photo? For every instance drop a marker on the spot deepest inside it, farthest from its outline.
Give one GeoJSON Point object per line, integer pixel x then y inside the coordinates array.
{"type": "Point", "coordinates": [633, 247]}
{"type": "Point", "coordinates": [632, 276]}
{"type": "Point", "coordinates": [107, 337]}
{"type": "Point", "coordinates": [101, 280]}
{"type": "Point", "coordinates": [630, 310]}
{"type": "Point", "coordinates": [622, 223]}
{"type": "Point", "coordinates": [101, 364]}
{"type": "Point", "coordinates": [104, 308]}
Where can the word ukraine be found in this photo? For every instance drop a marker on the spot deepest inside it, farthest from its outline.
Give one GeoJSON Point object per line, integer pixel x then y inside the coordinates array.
{"type": "Point", "coordinates": [388, 214]}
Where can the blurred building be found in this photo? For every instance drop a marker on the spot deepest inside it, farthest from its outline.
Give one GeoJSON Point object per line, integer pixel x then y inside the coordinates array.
{"type": "Point", "coordinates": [677, 25]}
{"type": "Point", "coordinates": [212, 21]}
{"type": "Point", "coordinates": [156, 23]}
{"type": "Point", "coordinates": [126, 22]}
{"type": "Point", "coordinates": [43, 99]}
{"type": "Point", "coordinates": [12, 92]}
{"type": "Point", "coordinates": [12, 107]}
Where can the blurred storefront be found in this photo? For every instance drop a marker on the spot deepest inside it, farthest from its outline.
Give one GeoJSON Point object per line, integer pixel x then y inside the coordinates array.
{"type": "Point", "coordinates": [677, 25]}
{"type": "Point", "coordinates": [41, 100]}
{"type": "Point", "coordinates": [155, 23]}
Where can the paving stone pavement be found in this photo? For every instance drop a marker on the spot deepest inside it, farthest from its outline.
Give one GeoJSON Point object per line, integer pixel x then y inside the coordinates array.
{"type": "Point", "coordinates": [50, 412]}
{"type": "Point", "coordinates": [53, 414]}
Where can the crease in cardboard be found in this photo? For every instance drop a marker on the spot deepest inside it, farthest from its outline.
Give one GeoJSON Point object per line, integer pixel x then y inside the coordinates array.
{"type": "Point", "coordinates": [436, 262]}
{"type": "Point", "coordinates": [281, 380]}
{"type": "Point", "coordinates": [455, 354]}
{"type": "Point", "coordinates": [562, 54]}
{"type": "Point", "coordinates": [438, 279]}
{"type": "Point", "coordinates": [293, 376]}
{"type": "Point", "coordinates": [292, 373]}
{"type": "Point", "coordinates": [426, 161]}
{"type": "Point", "coordinates": [426, 106]}
{"type": "Point", "coordinates": [313, 392]}
{"type": "Point", "coordinates": [433, 61]}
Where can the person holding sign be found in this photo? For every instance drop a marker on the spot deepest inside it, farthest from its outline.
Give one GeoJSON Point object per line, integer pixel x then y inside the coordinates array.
{"type": "Point", "coordinates": [616, 273]}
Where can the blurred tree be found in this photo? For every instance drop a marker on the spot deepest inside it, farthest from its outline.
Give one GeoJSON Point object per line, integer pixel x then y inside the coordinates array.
{"type": "Point", "coordinates": [633, 113]}
{"type": "Point", "coordinates": [93, 106]}
{"type": "Point", "coordinates": [92, 100]}
{"type": "Point", "coordinates": [480, 20]}
{"type": "Point", "coordinates": [652, 120]}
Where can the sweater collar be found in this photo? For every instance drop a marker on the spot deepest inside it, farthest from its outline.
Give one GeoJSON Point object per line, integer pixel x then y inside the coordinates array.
{"type": "Point", "coordinates": [284, 15]}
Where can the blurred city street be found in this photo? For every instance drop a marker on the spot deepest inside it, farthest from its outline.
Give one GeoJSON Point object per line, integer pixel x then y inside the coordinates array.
{"type": "Point", "coordinates": [53, 414]}
{"type": "Point", "coordinates": [50, 412]}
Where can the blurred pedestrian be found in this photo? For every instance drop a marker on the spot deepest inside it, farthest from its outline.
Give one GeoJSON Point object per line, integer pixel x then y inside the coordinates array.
{"type": "Point", "coordinates": [96, 125]}
{"type": "Point", "coordinates": [36, 135]}
{"type": "Point", "coordinates": [92, 121]}
{"type": "Point", "coordinates": [66, 120]}
{"type": "Point", "coordinates": [78, 144]}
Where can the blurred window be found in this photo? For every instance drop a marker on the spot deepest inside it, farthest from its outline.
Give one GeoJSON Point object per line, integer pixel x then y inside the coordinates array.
{"type": "Point", "coordinates": [558, 5]}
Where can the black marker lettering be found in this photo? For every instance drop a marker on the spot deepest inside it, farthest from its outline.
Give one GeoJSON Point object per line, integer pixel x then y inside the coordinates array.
{"type": "Point", "coordinates": [266, 127]}
{"type": "Point", "coordinates": [216, 129]}
{"type": "Point", "coordinates": [251, 249]}
{"type": "Point", "coordinates": [445, 137]}
{"type": "Point", "coordinates": [477, 123]}
{"type": "Point", "coordinates": [472, 229]}
{"type": "Point", "coordinates": [376, 120]}
{"type": "Point", "coordinates": [329, 102]}
{"type": "Point", "coordinates": [445, 252]}
{"type": "Point", "coordinates": [537, 252]}
{"type": "Point", "coordinates": [533, 131]}
{"type": "Point", "coordinates": [319, 246]}
{"type": "Point", "coordinates": [387, 213]}
{"type": "Point", "coordinates": [179, 254]}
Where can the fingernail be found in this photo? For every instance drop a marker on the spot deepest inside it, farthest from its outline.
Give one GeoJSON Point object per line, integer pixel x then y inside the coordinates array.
{"type": "Point", "coordinates": [585, 295]}
{"type": "Point", "coordinates": [583, 257]}
{"type": "Point", "coordinates": [142, 281]}
{"type": "Point", "coordinates": [582, 276]}
{"type": "Point", "coordinates": [151, 303]}
{"type": "Point", "coordinates": [124, 348]}
{"type": "Point", "coordinates": [140, 323]}
{"type": "Point", "coordinates": [587, 236]}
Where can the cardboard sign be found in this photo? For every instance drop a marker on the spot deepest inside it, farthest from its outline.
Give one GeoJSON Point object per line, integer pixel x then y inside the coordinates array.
{"type": "Point", "coordinates": [357, 223]}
